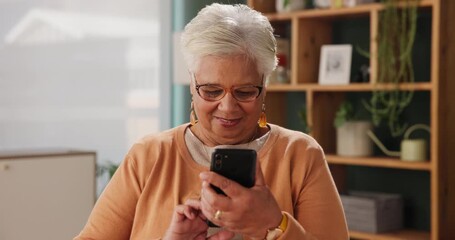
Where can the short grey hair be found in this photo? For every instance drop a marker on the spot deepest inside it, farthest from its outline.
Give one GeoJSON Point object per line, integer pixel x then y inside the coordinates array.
{"type": "Point", "coordinates": [220, 30]}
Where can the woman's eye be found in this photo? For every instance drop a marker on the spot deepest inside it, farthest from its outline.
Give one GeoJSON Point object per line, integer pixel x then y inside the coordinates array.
{"type": "Point", "coordinates": [246, 92]}
{"type": "Point", "coordinates": [212, 92]}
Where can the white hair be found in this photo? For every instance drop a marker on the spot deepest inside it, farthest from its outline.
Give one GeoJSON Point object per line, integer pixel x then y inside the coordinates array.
{"type": "Point", "coordinates": [220, 30]}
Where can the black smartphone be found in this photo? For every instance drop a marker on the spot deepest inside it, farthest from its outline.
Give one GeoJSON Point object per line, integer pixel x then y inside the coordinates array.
{"type": "Point", "coordinates": [236, 164]}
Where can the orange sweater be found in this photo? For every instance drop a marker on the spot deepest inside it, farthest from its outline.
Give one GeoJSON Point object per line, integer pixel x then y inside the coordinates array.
{"type": "Point", "coordinates": [158, 173]}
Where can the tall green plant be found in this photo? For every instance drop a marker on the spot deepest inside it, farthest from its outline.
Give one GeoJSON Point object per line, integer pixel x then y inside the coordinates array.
{"type": "Point", "coordinates": [395, 42]}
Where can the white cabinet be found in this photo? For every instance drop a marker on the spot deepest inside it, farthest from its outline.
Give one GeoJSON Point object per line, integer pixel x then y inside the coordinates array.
{"type": "Point", "coordinates": [45, 195]}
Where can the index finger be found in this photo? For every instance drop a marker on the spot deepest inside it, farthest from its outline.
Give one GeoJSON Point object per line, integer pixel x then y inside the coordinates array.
{"type": "Point", "coordinates": [194, 203]}
{"type": "Point", "coordinates": [228, 186]}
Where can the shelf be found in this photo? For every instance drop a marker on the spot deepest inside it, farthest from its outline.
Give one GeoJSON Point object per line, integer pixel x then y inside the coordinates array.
{"type": "Point", "coordinates": [386, 162]}
{"type": "Point", "coordinates": [353, 87]}
{"type": "Point", "coordinates": [398, 235]}
{"type": "Point", "coordinates": [357, 11]}
{"type": "Point", "coordinates": [433, 55]}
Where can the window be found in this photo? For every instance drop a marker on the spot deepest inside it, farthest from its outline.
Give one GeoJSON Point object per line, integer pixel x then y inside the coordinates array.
{"type": "Point", "coordinates": [82, 74]}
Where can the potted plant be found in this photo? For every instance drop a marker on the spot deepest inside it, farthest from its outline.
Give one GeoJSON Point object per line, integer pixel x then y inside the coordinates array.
{"type": "Point", "coordinates": [289, 5]}
{"type": "Point", "coordinates": [352, 128]}
{"type": "Point", "coordinates": [108, 167]}
{"type": "Point", "coordinates": [395, 42]}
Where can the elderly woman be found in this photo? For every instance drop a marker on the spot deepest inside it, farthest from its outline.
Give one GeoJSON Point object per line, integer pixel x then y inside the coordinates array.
{"type": "Point", "coordinates": [162, 188]}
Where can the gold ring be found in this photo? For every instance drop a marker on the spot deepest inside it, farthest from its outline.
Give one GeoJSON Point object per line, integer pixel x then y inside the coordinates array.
{"type": "Point", "coordinates": [218, 214]}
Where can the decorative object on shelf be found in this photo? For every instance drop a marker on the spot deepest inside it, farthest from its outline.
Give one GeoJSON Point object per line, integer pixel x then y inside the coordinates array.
{"type": "Point", "coordinates": [322, 3]}
{"type": "Point", "coordinates": [337, 3]}
{"type": "Point", "coordinates": [289, 5]}
{"type": "Point", "coordinates": [335, 64]}
{"type": "Point", "coordinates": [304, 120]}
{"type": "Point", "coordinates": [281, 73]}
{"type": "Point", "coordinates": [345, 113]}
{"type": "Point", "coordinates": [373, 212]}
{"type": "Point", "coordinates": [411, 149]}
{"type": "Point", "coordinates": [352, 138]}
{"type": "Point", "coordinates": [363, 74]}
{"type": "Point", "coordinates": [353, 3]}
{"type": "Point", "coordinates": [396, 36]}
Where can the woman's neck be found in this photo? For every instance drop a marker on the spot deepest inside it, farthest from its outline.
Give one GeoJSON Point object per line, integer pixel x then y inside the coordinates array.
{"type": "Point", "coordinates": [202, 135]}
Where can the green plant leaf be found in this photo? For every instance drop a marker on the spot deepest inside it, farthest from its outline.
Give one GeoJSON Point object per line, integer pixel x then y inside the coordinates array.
{"type": "Point", "coordinates": [108, 167]}
{"type": "Point", "coordinates": [396, 35]}
{"type": "Point", "coordinates": [345, 113]}
{"type": "Point", "coordinates": [303, 120]}
{"type": "Point", "coordinates": [362, 52]}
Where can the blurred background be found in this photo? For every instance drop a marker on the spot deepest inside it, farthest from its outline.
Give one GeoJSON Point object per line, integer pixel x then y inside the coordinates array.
{"type": "Point", "coordinates": [80, 82]}
{"type": "Point", "coordinates": [80, 74]}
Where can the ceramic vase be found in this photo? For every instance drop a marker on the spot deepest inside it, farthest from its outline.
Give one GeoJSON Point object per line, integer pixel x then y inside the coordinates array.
{"type": "Point", "coordinates": [353, 140]}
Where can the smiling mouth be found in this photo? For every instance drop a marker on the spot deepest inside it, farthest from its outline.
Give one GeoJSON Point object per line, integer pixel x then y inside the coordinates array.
{"type": "Point", "coordinates": [228, 122]}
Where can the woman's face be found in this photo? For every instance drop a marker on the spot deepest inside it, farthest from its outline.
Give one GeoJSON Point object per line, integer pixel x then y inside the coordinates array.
{"type": "Point", "coordinates": [226, 121]}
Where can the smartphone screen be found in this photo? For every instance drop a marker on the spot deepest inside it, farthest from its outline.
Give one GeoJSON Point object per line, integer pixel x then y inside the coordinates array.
{"type": "Point", "coordinates": [238, 165]}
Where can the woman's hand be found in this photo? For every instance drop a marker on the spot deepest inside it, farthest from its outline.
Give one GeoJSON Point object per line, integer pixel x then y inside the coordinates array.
{"type": "Point", "coordinates": [188, 223]}
{"type": "Point", "coordinates": [249, 211]}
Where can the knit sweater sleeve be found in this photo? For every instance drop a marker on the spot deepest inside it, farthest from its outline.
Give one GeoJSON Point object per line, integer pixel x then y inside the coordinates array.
{"type": "Point", "coordinates": [318, 213]}
{"type": "Point", "coordinates": [298, 175]}
{"type": "Point", "coordinates": [113, 214]}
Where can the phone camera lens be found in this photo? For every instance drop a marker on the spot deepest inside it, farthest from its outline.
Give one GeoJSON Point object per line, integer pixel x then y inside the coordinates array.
{"type": "Point", "coordinates": [218, 164]}
{"type": "Point", "coordinates": [218, 161]}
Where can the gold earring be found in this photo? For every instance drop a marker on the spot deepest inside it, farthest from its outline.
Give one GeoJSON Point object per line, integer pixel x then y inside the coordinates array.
{"type": "Point", "coordinates": [262, 118]}
{"type": "Point", "coordinates": [193, 118]}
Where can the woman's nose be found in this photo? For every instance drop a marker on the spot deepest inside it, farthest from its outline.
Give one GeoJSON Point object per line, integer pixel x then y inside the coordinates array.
{"type": "Point", "coordinates": [228, 102]}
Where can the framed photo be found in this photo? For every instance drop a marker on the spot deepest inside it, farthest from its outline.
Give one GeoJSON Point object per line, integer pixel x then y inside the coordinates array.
{"type": "Point", "coordinates": [335, 64]}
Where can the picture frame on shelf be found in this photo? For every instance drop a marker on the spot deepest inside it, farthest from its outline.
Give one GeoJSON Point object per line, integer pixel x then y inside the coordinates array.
{"type": "Point", "coordinates": [335, 64]}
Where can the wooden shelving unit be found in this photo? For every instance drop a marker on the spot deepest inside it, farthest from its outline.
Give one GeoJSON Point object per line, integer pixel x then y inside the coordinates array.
{"type": "Point", "coordinates": [353, 87]}
{"type": "Point", "coordinates": [360, 10]}
{"type": "Point", "coordinates": [399, 235]}
{"type": "Point", "coordinates": [385, 162]}
{"type": "Point", "coordinates": [307, 31]}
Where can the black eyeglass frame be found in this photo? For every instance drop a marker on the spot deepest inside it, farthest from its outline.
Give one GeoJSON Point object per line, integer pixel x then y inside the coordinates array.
{"type": "Point", "coordinates": [197, 86]}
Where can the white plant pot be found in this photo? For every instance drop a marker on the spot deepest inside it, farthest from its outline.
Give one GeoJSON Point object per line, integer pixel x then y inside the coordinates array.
{"type": "Point", "coordinates": [352, 139]}
{"type": "Point", "coordinates": [322, 3]}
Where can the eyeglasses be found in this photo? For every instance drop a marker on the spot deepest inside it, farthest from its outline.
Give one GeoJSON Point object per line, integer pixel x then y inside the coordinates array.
{"type": "Point", "coordinates": [213, 92]}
